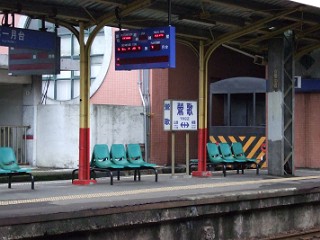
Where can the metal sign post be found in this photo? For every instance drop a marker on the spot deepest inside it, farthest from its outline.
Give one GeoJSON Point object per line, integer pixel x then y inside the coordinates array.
{"type": "Point", "coordinates": [187, 154]}
{"type": "Point", "coordinates": [173, 161]}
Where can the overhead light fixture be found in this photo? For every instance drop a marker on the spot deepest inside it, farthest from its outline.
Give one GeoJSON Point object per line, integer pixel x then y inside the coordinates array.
{"type": "Point", "coordinates": [308, 2]}
{"type": "Point", "coordinates": [207, 24]}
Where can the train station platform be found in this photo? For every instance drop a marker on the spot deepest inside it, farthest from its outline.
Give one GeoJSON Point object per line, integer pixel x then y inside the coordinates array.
{"type": "Point", "coordinates": [239, 206]}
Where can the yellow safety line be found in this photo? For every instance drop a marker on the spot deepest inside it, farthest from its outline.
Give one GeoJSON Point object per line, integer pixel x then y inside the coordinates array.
{"type": "Point", "coordinates": [149, 190]}
{"type": "Point", "coordinates": [232, 139]}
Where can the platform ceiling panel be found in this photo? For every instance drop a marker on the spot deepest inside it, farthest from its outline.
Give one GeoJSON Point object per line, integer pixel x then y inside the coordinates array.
{"type": "Point", "coordinates": [253, 21]}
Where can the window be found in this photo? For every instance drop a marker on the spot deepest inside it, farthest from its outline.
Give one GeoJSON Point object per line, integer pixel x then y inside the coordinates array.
{"type": "Point", "coordinates": [66, 85]}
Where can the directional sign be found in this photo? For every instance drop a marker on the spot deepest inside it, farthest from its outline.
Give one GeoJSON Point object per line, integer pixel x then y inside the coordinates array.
{"type": "Point", "coordinates": [25, 38]}
{"type": "Point", "coordinates": [145, 49]}
{"type": "Point", "coordinates": [180, 115]}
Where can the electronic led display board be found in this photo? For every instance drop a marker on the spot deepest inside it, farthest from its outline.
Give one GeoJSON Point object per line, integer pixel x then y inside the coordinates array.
{"type": "Point", "coordinates": [23, 61]}
{"type": "Point", "coordinates": [145, 48]}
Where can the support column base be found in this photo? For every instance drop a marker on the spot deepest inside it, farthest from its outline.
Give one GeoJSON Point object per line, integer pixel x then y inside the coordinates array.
{"type": "Point", "coordinates": [84, 182]}
{"type": "Point", "coordinates": [201, 174]}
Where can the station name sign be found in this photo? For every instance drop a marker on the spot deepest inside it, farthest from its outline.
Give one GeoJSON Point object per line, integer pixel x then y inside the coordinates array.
{"type": "Point", "coordinates": [180, 115]}
{"type": "Point", "coordinates": [145, 48]}
{"type": "Point", "coordinates": [25, 38]}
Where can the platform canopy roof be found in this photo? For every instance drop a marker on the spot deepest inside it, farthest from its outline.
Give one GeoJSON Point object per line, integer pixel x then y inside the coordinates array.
{"type": "Point", "coordinates": [242, 24]}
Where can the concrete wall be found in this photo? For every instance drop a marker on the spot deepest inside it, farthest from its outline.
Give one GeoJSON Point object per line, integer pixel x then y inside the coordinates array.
{"type": "Point", "coordinates": [57, 139]}
{"type": "Point", "coordinates": [116, 124]}
{"type": "Point", "coordinates": [11, 104]}
{"type": "Point", "coordinates": [265, 214]}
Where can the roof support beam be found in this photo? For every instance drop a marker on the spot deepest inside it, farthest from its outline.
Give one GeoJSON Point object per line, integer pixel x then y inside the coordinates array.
{"type": "Point", "coordinates": [306, 50]}
{"type": "Point", "coordinates": [103, 20]}
{"type": "Point", "coordinates": [270, 35]}
{"type": "Point", "coordinates": [245, 30]}
{"type": "Point", "coordinates": [134, 6]}
{"type": "Point", "coordinates": [305, 32]}
{"type": "Point", "coordinates": [47, 10]}
{"type": "Point", "coordinates": [199, 15]}
{"type": "Point", "coordinates": [244, 5]}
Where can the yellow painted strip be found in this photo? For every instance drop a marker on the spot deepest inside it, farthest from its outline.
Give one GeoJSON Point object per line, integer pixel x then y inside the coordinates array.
{"type": "Point", "coordinates": [248, 143]}
{"type": "Point", "coordinates": [261, 154]}
{"type": "Point", "coordinates": [242, 138]}
{"type": "Point", "coordinates": [256, 147]}
{"type": "Point", "coordinates": [212, 139]}
{"type": "Point", "coordinates": [222, 139]}
{"type": "Point", "coordinates": [232, 139]}
{"type": "Point", "coordinates": [151, 190]}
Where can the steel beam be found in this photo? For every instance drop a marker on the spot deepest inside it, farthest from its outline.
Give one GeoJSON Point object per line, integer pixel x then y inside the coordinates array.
{"type": "Point", "coordinates": [280, 105]}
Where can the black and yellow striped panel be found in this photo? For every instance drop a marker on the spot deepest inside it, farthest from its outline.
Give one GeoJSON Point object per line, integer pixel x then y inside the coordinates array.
{"type": "Point", "coordinates": [251, 145]}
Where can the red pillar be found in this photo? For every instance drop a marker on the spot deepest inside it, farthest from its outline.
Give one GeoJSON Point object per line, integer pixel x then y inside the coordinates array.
{"type": "Point", "coordinates": [84, 131]}
{"type": "Point", "coordinates": [202, 131]}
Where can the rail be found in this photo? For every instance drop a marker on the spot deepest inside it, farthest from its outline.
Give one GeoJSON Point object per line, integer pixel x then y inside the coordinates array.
{"type": "Point", "coordinates": [311, 234]}
{"type": "Point", "coordinates": [16, 138]}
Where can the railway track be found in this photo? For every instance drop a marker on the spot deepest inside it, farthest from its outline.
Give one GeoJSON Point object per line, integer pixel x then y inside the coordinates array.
{"type": "Point", "coordinates": [309, 235]}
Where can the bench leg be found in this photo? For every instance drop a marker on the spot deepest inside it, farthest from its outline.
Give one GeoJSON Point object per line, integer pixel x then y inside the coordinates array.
{"type": "Point", "coordinates": [111, 178]}
{"type": "Point", "coordinates": [32, 181]}
{"type": "Point", "coordinates": [224, 170]}
{"type": "Point", "coordinates": [9, 181]}
{"type": "Point", "coordinates": [135, 175]}
{"type": "Point", "coordinates": [118, 172]}
{"type": "Point", "coordinates": [73, 173]}
{"type": "Point", "coordinates": [93, 173]}
{"type": "Point", "coordinates": [139, 175]}
{"type": "Point", "coordinates": [257, 166]}
{"type": "Point", "coordinates": [156, 175]}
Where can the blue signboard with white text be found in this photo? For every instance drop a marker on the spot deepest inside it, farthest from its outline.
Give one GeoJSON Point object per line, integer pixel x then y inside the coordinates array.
{"type": "Point", "coordinates": [145, 49]}
{"type": "Point", "coordinates": [25, 38]}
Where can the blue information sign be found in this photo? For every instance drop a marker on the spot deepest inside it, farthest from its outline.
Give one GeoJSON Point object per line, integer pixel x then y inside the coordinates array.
{"type": "Point", "coordinates": [25, 38]}
{"type": "Point", "coordinates": [145, 49]}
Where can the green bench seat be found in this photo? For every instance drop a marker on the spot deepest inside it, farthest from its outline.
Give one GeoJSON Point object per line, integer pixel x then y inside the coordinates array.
{"type": "Point", "coordinates": [9, 166]}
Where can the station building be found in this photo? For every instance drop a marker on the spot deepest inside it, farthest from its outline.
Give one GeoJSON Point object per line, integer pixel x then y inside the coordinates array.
{"type": "Point", "coordinates": [127, 106]}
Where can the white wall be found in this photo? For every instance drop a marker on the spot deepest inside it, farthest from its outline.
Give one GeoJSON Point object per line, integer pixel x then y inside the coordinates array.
{"type": "Point", "coordinates": [57, 137]}
{"type": "Point", "coordinates": [117, 124]}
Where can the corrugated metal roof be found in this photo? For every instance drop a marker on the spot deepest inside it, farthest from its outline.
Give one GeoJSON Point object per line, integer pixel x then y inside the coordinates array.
{"type": "Point", "coordinates": [245, 24]}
